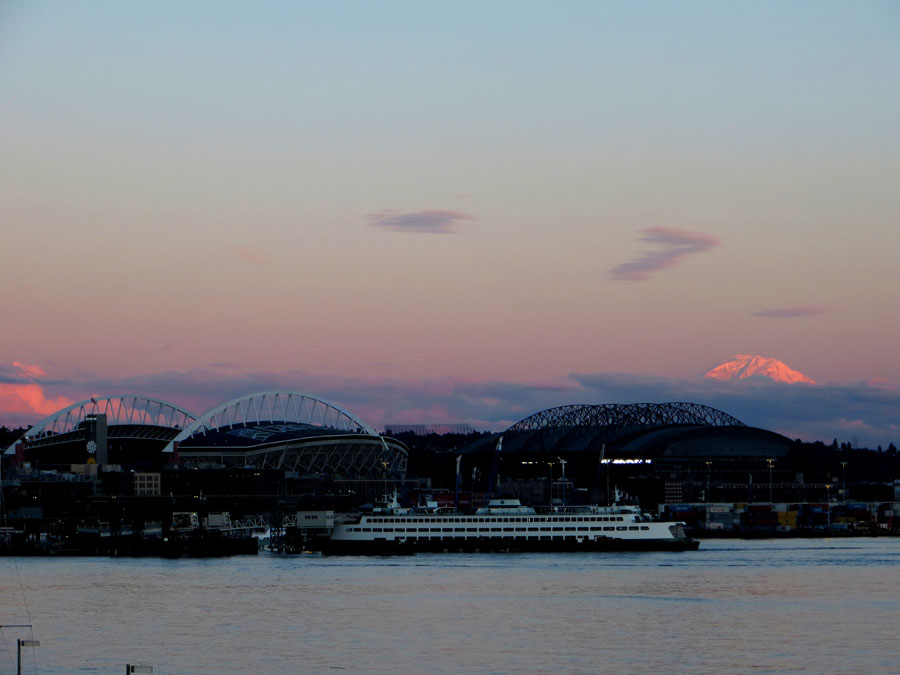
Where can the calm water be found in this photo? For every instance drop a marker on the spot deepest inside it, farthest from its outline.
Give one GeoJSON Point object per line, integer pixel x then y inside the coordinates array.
{"type": "Point", "coordinates": [803, 606]}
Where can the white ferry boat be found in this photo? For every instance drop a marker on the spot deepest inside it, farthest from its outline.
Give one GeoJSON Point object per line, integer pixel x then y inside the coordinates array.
{"type": "Point", "coordinates": [505, 525]}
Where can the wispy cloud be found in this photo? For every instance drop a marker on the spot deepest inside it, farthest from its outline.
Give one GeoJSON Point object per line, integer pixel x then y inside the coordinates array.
{"type": "Point", "coordinates": [29, 370]}
{"type": "Point", "coordinates": [251, 255]}
{"type": "Point", "coordinates": [432, 222]}
{"type": "Point", "coordinates": [791, 312]}
{"type": "Point", "coordinates": [674, 245]}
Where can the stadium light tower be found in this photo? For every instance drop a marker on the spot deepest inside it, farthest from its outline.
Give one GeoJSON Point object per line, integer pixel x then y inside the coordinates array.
{"type": "Point", "coordinates": [562, 463]}
{"type": "Point", "coordinates": [708, 463]}
{"type": "Point", "coordinates": [844, 481]}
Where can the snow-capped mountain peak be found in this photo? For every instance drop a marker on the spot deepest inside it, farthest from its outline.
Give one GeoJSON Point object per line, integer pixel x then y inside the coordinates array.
{"type": "Point", "coordinates": [745, 365]}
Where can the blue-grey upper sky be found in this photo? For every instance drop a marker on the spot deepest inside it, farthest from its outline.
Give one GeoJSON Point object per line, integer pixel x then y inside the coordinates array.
{"type": "Point", "coordinates": [499, 191]}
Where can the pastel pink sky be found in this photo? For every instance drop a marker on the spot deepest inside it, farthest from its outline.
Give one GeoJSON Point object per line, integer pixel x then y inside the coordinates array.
{"type": "Point", "coordinates": [296, 190]}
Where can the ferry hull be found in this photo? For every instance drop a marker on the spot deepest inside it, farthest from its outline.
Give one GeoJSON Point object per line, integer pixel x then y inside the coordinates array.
{"type": "Point", "coordinates": [385, 547]}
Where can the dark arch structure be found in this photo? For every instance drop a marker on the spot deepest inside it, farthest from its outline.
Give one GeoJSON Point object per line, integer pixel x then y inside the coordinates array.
{"type": "Point", "coordinates": [128, 416]}
{"type": "Point", "coordinates": [584, 427]}
{"type": "Point", "coordinates": [625, 416]}
{"type": "Point", "coordinates": [290, 431]}
{"type": "Point", "coordinates": [285, 430]}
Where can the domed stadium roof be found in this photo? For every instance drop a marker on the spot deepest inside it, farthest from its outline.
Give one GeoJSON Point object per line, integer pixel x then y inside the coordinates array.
{"type": "Point", "coordinates": [678, 428]}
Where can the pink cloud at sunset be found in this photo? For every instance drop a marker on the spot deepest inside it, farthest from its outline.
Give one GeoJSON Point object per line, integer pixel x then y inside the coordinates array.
{"type": "Point", "coordinates": [26, 401]}
{"type": "Point", "coordinates": [674, 246]}
{"type": "Point", "coordinates": [29, 370]}
{"type": "Point", "coordinates": [21, 398]}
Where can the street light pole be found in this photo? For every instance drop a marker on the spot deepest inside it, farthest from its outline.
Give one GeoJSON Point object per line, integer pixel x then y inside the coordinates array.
{"type": "Point", "coordinates": [562, 463]}
{"type": "Point", "coordinates": [770, 461]}
{"type": "Point", "coordinates": [23, 643]}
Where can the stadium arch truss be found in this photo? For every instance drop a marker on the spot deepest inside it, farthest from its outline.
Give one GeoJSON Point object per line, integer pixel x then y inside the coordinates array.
{"type": "Point", "coordinates": [350, 456]}
{"type": "Point", "coordinates": [127, 417]}
{"type": "Point", "coordinates": [339, 442]}
{"type": "Point", "coordinates": [608, 422]}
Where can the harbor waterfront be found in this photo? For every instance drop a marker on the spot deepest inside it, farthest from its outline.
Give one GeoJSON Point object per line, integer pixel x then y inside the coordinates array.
{"type": "Point", "coordinates": [762, 606]}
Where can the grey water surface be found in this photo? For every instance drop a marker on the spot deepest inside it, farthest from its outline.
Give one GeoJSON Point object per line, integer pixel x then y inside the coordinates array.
{"type": "Point", "coordinates": [767, 606]}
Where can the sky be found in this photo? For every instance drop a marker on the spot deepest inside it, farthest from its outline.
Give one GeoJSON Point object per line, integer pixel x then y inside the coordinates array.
{"type": "Point", "coordinates": [453, 212]}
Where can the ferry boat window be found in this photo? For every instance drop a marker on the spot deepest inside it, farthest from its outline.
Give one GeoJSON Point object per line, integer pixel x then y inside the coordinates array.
{"type": "Point", "coordinates": [570, 529]}
{"type": "Point", "coordinates": [644, 527]}
{"type": "Point", "coordinates": [583, 529]}
{"type": "Point", "coordinates": [557, 529]}
{"type": "Point", "coordinates": [376, 529]}
{"type": "Point", "coordinates": [609, 528]}
{"type": "Point", "coordinates": [521, 529]}
{"type": "Point", "coordinates": [509, 529]}
{"type": "Point", "coordinates": [471, 529]}
{"type": "Point", "coordinates": [621, 527]}
{"type": "Point", "coordinates": [447, 529]}
{"type": "Point", "coordinates": [633, 527]}
{"type": "Point", "coordinates": [388, 529]}
{"type": "Point", "coordinates": [496, 529]}
{"type": "Point", "coordinates": [412, 529]}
